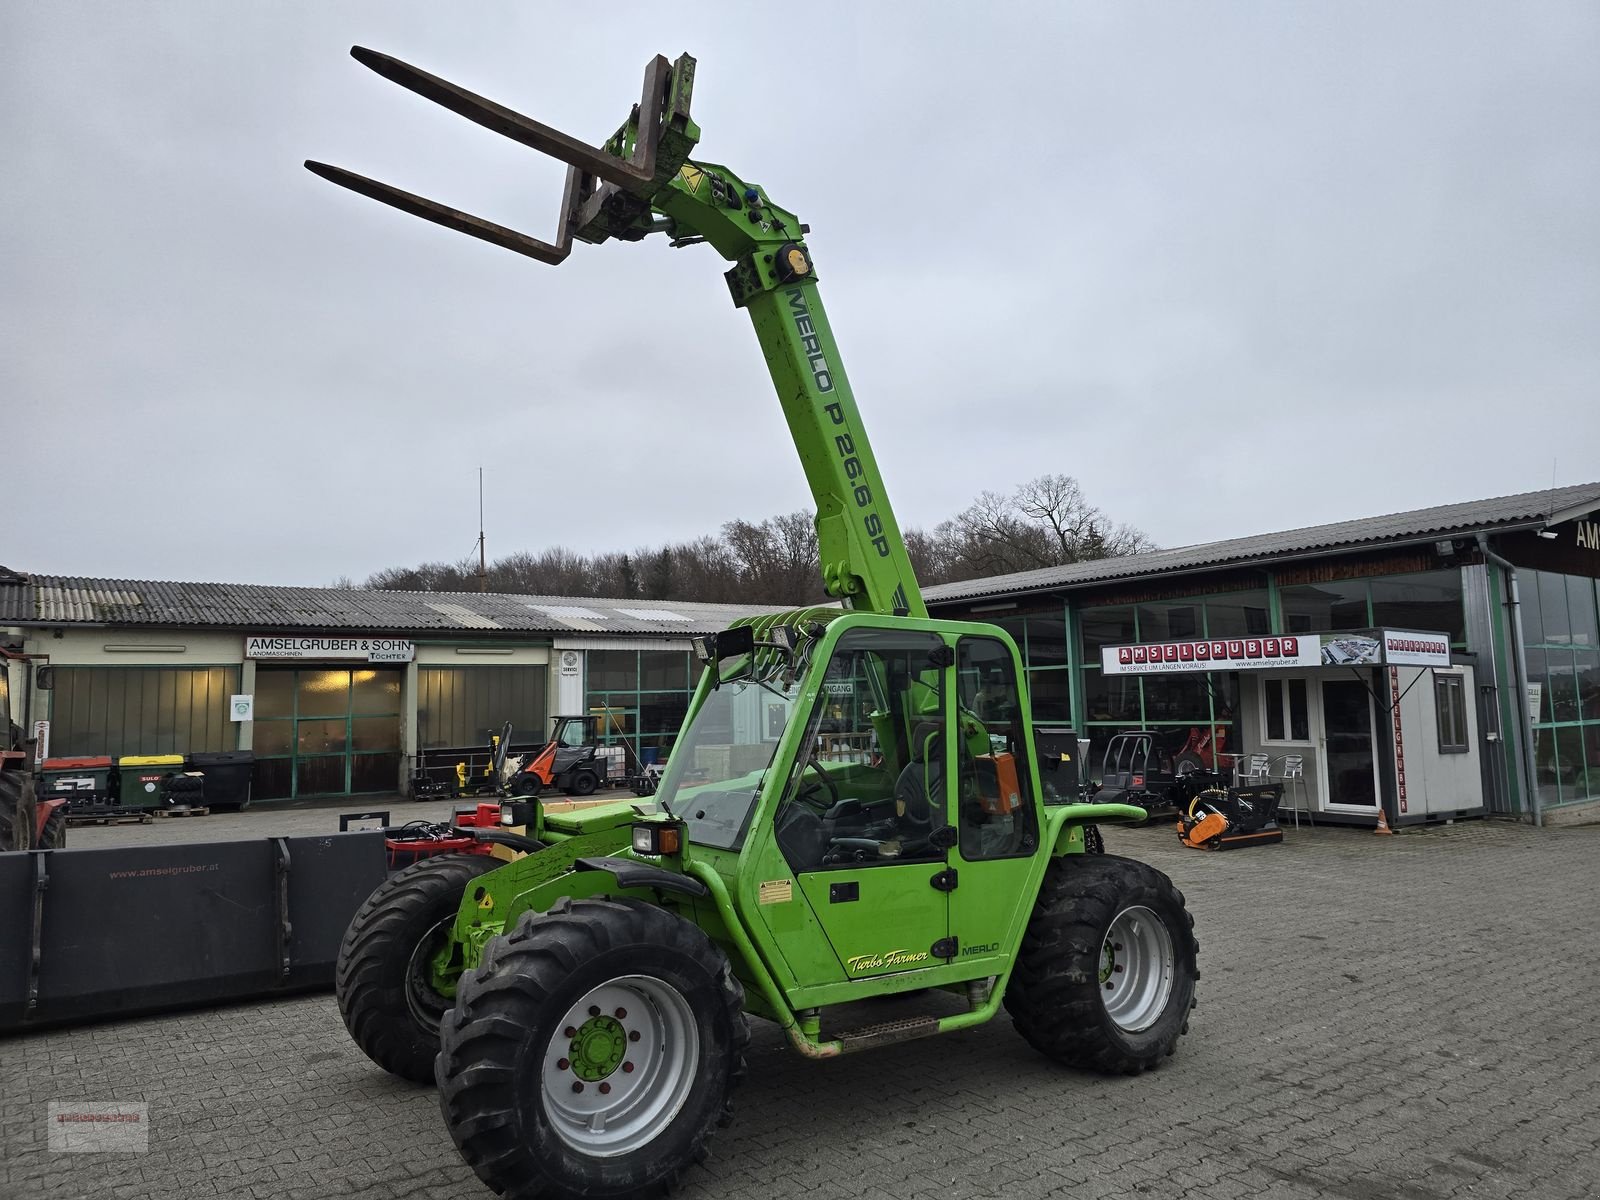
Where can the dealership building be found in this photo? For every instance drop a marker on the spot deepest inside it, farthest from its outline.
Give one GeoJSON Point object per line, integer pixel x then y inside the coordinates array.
{"type": "Point", "coordinates": [336, 691]}
{"type": "Point", "coordinates": [1443, 662]}
{"type": "Point", "coordinates": [1439, 663]}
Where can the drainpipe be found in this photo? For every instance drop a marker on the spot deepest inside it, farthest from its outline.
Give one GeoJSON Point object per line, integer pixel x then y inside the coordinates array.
{"type": "Point", "coordinates": [1520, 705]}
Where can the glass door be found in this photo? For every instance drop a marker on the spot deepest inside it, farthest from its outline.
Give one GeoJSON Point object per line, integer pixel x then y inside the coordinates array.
{"type": "Point", "coordinates": [326, 731]}
{"type": "Point", "coordinates": [1350, 767]}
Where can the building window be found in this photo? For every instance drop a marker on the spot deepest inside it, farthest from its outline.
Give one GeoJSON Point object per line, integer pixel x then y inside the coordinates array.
{"type": "Point", "coordinates": [142, 710]}
{"type": "Point", "coordinates": [1561, 630]}
{"type": "Point", "coordinates": [1430, 600]}
{"type": "Point", "coordinates": [1284, 711]}
{"type": "Point", "coordinates": [1238, 614]}
{"type": "Point", "coordinates": [640, 697]}
{"type": "Point", "coordinates": [1323, 607]}
{"type": "Point", "coordinates": [1425, 600]}
{"type": "Point", "coordinates": [1450, 707]}
{"type": "Point", "coordinates": [459, 707]}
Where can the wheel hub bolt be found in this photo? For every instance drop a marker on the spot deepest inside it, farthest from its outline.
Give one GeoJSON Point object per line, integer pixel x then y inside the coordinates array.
{"type": "Point", "coordinates": [1117, 968]}
{"type": "Point", "coordinates": [622, 1014]}
{"type": "Point", "coordinates": [1116, 945]}
{"type": "Point", "coordinates": [634, 1036]}
{"type": "Point", "coordinates": [1108, 985]}
{"type": "Point", "coordinates": [627, 1068]}
{"type": "Point", "coordinates": [570, 1032]}
{"type": "Point", "coordinates": [577, 1086]}
{"type": "Point", "coordinates": [605, 1089]}
{"type": "Point", "coordinates": [562, 1064]}
{"type": "Point", "coordinates": [594, 1010]}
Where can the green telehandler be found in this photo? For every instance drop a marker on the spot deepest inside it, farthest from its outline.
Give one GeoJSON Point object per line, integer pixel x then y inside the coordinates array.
{"type": "Point", "coordinates": [854, 807]}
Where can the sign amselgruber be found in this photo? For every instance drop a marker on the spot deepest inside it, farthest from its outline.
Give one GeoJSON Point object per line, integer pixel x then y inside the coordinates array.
{"type": "Point", "coordinates": [1212, 654]}
{"type": "Point", "coordinates": [360, 649]}
{"type": "Point", "coordinates": [1404, 648]}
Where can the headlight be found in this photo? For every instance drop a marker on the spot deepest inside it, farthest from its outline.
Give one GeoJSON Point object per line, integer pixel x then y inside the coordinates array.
{"type": "Point", "coordinates": [655, 838]}
{"type": "Point", "coordinates": [517, 812]}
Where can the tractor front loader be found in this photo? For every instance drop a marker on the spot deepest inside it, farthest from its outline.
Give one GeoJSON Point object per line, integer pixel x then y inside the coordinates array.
{"type": "Point", "coordinates": [26, 822]}
{"type": "Point", "coordinates": [835, 823]}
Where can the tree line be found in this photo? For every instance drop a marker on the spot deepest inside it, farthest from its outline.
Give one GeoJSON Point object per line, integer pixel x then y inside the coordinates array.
{"type": "Point", "coordinates": [1045, 522]}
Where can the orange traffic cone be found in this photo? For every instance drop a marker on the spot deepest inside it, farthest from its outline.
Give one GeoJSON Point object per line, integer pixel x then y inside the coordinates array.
{"type": "Point", "coordinates": [1383, 822]}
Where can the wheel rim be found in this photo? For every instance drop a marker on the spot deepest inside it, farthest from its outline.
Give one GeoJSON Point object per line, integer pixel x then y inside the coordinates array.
{"type": "Point", "coordinates": [427, 1006]}
{"type": "Point", "coordinates": [619, 1066]}
{"type": "Point", "coordinates": [1136, 969]}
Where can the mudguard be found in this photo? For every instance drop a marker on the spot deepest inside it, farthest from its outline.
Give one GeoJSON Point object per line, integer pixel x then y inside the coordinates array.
{"type": "Point", "coordinates": [630, 873]}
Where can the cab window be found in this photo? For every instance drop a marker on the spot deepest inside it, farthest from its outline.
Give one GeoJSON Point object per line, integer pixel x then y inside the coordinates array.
{"type": "Point", "coordinates": [869, 786]}
{"type": "Point", "coordinates": [996, 817]}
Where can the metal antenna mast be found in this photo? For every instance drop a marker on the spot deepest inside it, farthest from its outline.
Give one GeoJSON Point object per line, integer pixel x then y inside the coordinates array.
{"type": "Point", "coordinates": [483, 568]}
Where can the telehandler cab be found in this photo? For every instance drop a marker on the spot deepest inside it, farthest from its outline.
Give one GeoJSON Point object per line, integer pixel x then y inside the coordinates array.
{"type": "Point", "coordinates": [836, 822]}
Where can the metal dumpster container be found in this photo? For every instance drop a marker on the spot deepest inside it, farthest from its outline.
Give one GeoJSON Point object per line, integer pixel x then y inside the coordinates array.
{"type": "Point", "coordinates": [227, 775]}
{"type": "Point", "coordinates": [143, 779]}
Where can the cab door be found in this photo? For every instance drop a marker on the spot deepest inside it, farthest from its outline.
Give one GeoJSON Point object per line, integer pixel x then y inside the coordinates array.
{"type": "Point", "coordinates": [857, 822]}
{"type": "Point", "coordinates": [996, 813]}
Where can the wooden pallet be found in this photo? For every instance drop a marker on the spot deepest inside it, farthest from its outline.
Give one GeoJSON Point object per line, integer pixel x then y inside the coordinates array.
{"type": "Point", "coordinates": [132, 818]}
{"type": "Point", "coordinates": [184, 810]}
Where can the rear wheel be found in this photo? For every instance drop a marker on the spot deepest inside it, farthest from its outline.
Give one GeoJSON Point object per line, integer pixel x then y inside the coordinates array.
{"type": "Point", "coordinates": [593, 1052]}
{"type": "Point", "coordinates": [18, 813]}
{"type": "Point", "coordinates": [1106, 975]}
{"type": "Point", "coordinates": [382, 981]}
{"type": "Point", "coordinates": [583, 783]}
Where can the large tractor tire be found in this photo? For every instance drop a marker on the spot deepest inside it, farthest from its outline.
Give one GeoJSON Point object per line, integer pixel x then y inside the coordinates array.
{"type": "Point", "coordinates": [18, 812]}
{"type": "Point", "coordinates": [1106, 975]}
{"type": "Point", "coordinates": [381, 981]}
{"type": "Point", "coordinates": [593, 1052]}
{"type": "Point", "coordinates": [54, 834]}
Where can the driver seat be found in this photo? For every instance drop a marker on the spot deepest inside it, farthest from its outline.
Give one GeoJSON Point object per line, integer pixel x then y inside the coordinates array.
{"type": "Point", "coordinates": [920, 785]}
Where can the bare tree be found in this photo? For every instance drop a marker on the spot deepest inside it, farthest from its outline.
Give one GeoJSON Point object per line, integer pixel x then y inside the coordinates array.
{"type": "Point", "coordinates": [1044, 522]}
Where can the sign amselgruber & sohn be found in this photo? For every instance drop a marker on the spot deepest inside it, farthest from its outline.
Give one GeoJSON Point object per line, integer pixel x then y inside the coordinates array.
{"type": "Point", "coordinates": [359, 649]}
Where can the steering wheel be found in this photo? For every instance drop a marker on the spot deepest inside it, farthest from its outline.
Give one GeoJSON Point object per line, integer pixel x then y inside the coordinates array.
{"type": "Point", "coordinates": [827, 782]}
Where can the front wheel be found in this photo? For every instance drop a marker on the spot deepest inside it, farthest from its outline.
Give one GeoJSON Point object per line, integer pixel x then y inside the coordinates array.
{"type": "Point", "coordinates": [382, 980]}
{"type": "Point", "coordinates": [592, 1052]}
{"type": "Point", "coordinates": [18, 810]}
{"type": "Point", "coordinates": [1106, 975]}
{"type": "Point", "coordinates": [53, 836]}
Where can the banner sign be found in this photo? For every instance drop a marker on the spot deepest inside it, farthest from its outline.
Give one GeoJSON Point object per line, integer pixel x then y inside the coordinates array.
{"type": "Point", "coordinates": [376, 650]}
{"type": "Point", "coordinates": [1399, 735]}
{"type": "Point", "coordinates": [1402, 648]}
{"type": "Point", "coordinates": [1392, 646]}
{"type": "Point", "coordinates": [1215, 654]}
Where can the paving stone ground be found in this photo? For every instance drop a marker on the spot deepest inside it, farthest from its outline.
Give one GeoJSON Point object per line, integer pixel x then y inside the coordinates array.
{"type": "Point", "coordinates": [1409, 1018]}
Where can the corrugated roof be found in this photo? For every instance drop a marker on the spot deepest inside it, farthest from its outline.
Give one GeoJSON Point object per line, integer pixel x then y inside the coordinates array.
{"type": "Point", "coordinates": [52, 599]}
{"type": "Point", "coordinates": [1501, 513]}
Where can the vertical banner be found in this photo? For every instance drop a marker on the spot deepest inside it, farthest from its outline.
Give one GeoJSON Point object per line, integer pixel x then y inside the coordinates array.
{"type": "Point", "coordinates": [41, 742]}
{"type": "Point", "coordinates": [1399, 736]}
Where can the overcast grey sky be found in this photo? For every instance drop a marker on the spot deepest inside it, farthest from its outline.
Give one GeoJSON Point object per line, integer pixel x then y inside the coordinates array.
{"type": "Point", "coordinates": [1237, 267]}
